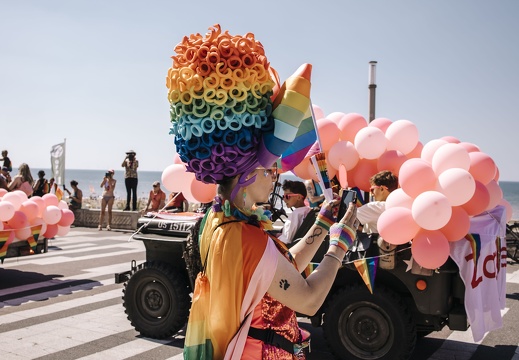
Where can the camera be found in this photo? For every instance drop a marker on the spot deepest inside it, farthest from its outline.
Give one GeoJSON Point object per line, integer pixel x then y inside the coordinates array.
{"type": "Point", "coordinates": [107, 174]}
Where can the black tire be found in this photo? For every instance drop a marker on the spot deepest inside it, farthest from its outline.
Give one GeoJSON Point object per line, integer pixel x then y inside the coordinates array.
{"type": "Point", "coordinates": [156, 300]}
{"type": "Point", "coordinates": [358, 325]}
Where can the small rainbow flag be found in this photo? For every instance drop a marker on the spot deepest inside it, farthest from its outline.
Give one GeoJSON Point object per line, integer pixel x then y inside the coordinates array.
{"type": "Point", "coordinates": [319, 162]}
{"type": "Point", "coordinates": [367, 269]}
{"type": "Point", "coordinates": [6, 238]}
{"type": "Point", "coordinates": [33, 239]}
{"type": "Point", "coordinates": [360, 196]}
{"type": "Point", "coordinates": [475, 244]}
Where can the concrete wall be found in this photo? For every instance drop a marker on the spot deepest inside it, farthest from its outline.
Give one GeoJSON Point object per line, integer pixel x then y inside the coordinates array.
{"type": "Point", "coordinates": [126, 220]}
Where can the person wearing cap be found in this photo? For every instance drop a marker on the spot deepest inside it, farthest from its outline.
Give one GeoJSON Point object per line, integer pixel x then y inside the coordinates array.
{"type": "Point", "coordinates": [107, 201]}
{"type": "Point", "coordinates": [42, 185]}
{"type": "Point", "coordinates": [130, 165]}
{"type": "Point", "coordinates": [156, 199]}
{"type": "Point", "coordinates": [4, 178]}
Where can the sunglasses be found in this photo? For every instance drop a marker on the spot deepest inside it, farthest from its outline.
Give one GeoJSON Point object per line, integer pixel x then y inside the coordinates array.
{"type": "Point", "coordinates": [288, 196]}
{"type": "Point", "coordinates": [272, 172]}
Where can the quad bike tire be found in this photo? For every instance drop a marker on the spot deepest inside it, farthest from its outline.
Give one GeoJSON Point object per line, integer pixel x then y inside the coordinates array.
{"type": "Point", "coordinates": [156, 300]}
{"type": "Point", "coordinates": [361, 325]}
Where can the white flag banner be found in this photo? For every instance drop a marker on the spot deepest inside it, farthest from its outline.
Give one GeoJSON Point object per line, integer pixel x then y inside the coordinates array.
{"type": "Point", "coordinates": [57, 163]}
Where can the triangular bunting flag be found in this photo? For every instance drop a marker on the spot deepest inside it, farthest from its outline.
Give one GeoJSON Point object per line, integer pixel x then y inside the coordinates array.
{"type": "Point", "coordinates": [367, 269]}
{"type": "Point", "coordinates": [6, 238]}
{"type": "Point", "coordinates": [310, 268]}
{"type": "Point", "coordinates": [33, 239]}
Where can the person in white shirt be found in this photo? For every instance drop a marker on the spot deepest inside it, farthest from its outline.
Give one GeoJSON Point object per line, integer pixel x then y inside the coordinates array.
{"type": "Point", "coordinates": [294, 196]}
{"type": "Point", "coordinates": [382, 184]}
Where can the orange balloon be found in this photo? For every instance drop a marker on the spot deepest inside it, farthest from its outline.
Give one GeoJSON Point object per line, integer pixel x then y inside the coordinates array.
{"type": "Point", "coordinates": [202, 193]}
{"type": "Point", "coordinates": [301, 170]}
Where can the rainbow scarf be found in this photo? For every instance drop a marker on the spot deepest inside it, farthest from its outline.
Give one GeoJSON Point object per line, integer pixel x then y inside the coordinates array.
{"type": "Point", "coordinates": [240, 261]}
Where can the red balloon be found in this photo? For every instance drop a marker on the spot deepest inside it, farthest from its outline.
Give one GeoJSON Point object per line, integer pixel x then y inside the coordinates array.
{"type": "Point", "coordinates": [430, 249]}
{"type": "Point", "coordinates": [51, 231]}
{"type": "Point", "coordinates": [18, 221]}
{"type": "Point", "coordinates": [479, 201]}
{"type": "Point", "coordinates": [458, 225]}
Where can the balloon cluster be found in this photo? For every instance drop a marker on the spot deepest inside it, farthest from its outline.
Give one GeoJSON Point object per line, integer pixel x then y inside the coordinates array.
{"type": "Point", "coordinates": [442, 183]}
{"type": "Point", "coordinates": [22, 215]}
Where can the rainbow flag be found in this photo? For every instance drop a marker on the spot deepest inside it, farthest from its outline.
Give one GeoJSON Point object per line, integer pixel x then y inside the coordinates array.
{"type": "Point", "coordinates": [367, 269]}
{"type": "Point", "coordinates": [6, 238]}
{"type": "Point", "coordinates": [310, 269]}
{"type": "Point", "coordinates": [360, 196]}
{"type": "Point", "coordinates": [33, 239]}
{"type": "Point", "coordinates": [298, 149]}
{"type": "Point", "coordinates": [475, 244]}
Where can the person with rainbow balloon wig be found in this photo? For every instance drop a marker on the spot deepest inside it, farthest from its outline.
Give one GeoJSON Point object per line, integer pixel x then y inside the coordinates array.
{"type": "Point", "coordinates": [232, 121]}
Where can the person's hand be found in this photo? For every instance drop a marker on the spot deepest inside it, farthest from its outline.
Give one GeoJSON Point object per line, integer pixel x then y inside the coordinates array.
{"type": "Point", "coordinates": [350, 217]}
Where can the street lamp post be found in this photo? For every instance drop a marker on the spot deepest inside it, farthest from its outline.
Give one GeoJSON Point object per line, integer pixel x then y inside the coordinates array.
{"type": "Point", "coordinates": [372, 87]}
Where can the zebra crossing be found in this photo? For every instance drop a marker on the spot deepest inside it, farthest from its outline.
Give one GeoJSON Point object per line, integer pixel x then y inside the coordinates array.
{"type": "Point", "coordinates": [65, 305]}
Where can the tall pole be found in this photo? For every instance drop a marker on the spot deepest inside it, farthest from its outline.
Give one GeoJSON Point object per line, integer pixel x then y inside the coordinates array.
{"type": "Point", "coordinates": [372, 87]}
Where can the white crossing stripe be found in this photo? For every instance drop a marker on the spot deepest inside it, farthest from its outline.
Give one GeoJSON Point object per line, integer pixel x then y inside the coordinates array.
{"type": "Point", "coordinates": [127, 350]}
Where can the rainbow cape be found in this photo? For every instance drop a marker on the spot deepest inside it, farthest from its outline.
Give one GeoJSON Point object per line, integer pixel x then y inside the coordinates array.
{"type": "Point", "coordinates": [237, 275]}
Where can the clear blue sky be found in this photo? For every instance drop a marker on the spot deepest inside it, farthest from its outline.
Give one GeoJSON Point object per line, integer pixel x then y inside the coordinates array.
{"type": "Point", "coordinates": [93, 71]}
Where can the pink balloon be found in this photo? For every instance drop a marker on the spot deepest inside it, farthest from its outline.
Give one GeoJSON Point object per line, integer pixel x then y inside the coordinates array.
{"type": "Point", "coordinates": [496, 176]}
{"type": "Point", "coordinates": [2, 192]}
{"type": "Point", "coordinates": [479, 201]}
{"type": "Point", "coordinates": [370, 142]}
{"type": "Point", "coordinates": [402, 135]}
{"type": "Point", "coordinates": [450, 139]}
{"type": "Point", "coordinates": [318, 112]}
{"type": "Point", "coordinates": [343, 153]}
{"type": "Point", "coordinates": [482, 167]}
{"type": "Point", "coordinates": [470, 147]}
{"type": "Point", "coordinates": [458, 225]}
{"type": "Point", "coordinates": [41, 204]}
{"type": "Point", "coordinates": [509, 209]}
{"type": "Point", "coordinates": [6, 211]}
{"type": "Point", "coordinates": [51, 231]}
{"type": "Point", "coordinates": [458, 185]}
{"type": "Point", "coordinates": [450, 156]}
{"type": "Point", "coordinates": [52, 215]}
{"type": "Point", "coordinates": [30, 209]}
{"type": "Point", "coordinates": [396, 225]}
{"type": "Point", "coordinates": [350, 125]}
{"type": "Point", "coordinates": [430, 148]}
{"type": "Point", "coordinates": [201, 192]}
{"type": "Point", "coordinates": [391, 160]}
{"type": "Point", "coordinates": [416, 176]}
{"type": "Point", "coordinates": [398, 198]}
{"type": "Point", "coordinates": [302, 169]}
{"type": "Point", "coordinates": [430, 249]}
{"type": "Point", "coordinates": [67, 218]}
{"type": "Point", "coordinates": [173, 176]}
{"type": "Point", "coordinates": [18, 221]}
{"type": "Point", "coordinates": [23, 233]}
{"type": "Point", "coordinates": [50, 200]}
{"type": "Point", "coordinates": [496, 194]}
{"type": "Point", "coordinates": [336, 117]}
{"type": "Point", "coordinates": [37, 222]}
{"type": "Point", "coordinates": [328, 133]}
{"type": "Point", "coordinates": [381, 123]}
{"type": "Point", "coordinates": [416, 152]}
{"type": "Point", "coordinates": [177, 160]}
{"type": "Point", "coordinates": [1, 225]}
{"type": "Point", "coordinates": [342, 175]}
{"type": "Point", "coordinates": [359, 176]}
{"type": "Point", "coordinates": [14, 199]}
{"type": "Point", "coordinates": [431, 210]}
{"type": "Point", "coordinates": [62, 205]}
{"type": "Point", "coordinates": [62, 230]}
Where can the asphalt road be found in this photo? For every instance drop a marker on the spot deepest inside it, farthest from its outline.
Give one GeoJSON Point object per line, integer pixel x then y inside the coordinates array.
{"type": "Point", "coordinates": [65, 305]}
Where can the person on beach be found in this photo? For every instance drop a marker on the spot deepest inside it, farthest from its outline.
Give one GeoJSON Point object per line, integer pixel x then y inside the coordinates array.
{"type": "Point", "coordinates": [54, 188]}
{"type": "Point", "coordinates": [156, 199]}
{"type": "Point", "coordinates": [76, 197]}
{"type": "Point", "coordinates": [5, 179]}
{"type": "Point", "coordinates": [177, 202]}
{"type": "Point", "coordinates": [7, 162]}
{"type": "Point", "coordinates": [23, 180]}
{"type": "Point", "coordinates": [107, 201]}
{"type": "Point", "coordinates": [294, 195]}
{"type": "Point", "coordinates": [130, 165]}
{"type": "Point", "coordinates": [41, 187]}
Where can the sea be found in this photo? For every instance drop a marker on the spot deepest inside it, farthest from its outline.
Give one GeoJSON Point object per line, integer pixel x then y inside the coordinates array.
{"type": "Point", "coordinates": [90, 180]}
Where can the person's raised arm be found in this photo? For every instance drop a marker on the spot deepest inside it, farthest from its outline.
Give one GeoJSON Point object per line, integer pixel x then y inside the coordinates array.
{"type": "Point", "coordinates": [307, 295]}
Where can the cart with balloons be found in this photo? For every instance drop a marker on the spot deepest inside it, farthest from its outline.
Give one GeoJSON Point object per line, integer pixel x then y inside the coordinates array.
{"type": "Point", "coordinates": [26, 223]}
